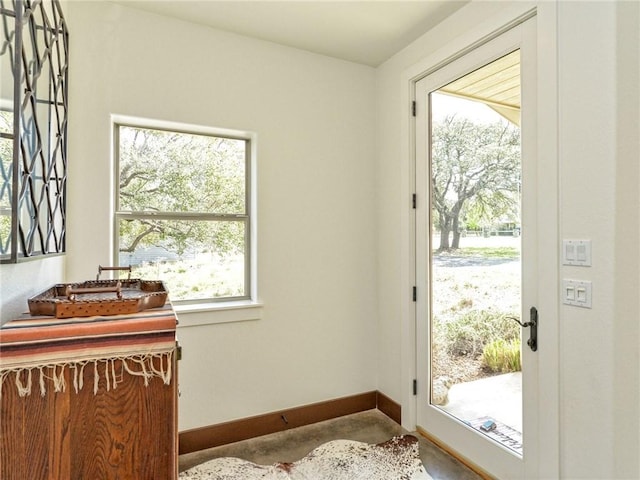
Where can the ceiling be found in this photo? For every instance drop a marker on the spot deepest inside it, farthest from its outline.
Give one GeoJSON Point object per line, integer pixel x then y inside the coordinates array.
{"type": "Point", "coordinates": [364, 31]}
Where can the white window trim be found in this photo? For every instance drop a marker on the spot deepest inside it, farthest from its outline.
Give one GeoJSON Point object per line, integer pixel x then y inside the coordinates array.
{"type": "Point", "coordinates": [195, 315]}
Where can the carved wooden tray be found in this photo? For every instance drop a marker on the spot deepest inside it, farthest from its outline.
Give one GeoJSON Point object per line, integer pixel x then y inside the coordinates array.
{"type": "Point", "coordinates": [99, 297]}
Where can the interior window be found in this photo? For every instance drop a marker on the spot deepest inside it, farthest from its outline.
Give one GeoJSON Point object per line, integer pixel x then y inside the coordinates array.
{"type": "Point", "coordinates": [183, 211]}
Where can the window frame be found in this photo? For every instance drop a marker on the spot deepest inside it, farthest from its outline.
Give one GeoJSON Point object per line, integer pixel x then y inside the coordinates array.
{"type": "Point", "coordinates": [247, 217]}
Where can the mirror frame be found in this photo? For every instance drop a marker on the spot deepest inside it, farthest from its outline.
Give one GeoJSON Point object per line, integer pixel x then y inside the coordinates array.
{"type": "Point", "coordinates": [38, 48]}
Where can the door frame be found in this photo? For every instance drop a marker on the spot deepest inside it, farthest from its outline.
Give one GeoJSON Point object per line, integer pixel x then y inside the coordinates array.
{"type": "Point", "coordinates": [547, 445]}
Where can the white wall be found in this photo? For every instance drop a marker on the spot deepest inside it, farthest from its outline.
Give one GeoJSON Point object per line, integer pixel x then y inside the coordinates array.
{"type": "Point", "coordinates": [626, 395]}
{"type": "Point", "coordinates": [598, 101]}
{"type": "Point", "coordinates": [314, 120]}
{"type": "Point", "coordinates": [600, 147]}
{"type": "Point", "coordinates": [19, 282]}
{"type": "Point", "coordinates": [587, 148]}
{"type": "Point", "coordinates": [599, 143]}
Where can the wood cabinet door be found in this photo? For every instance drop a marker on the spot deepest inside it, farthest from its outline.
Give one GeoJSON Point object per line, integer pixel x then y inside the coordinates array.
{"type": "Point", "coordinates": [122, 432]}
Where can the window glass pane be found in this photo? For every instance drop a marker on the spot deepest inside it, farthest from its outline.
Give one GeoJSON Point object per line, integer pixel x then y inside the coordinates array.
{"type": "Point", "coordinates": [6, 155]}
{"type": "Point", "coordinates": [475, 264]}
{"type": "Point", "coordinates": [6, 122]}
{"type": "Point", "coordinates": [179, 172]}
{"type": "Point", "coordinates": [196, 259]}
{"type": "Point", "coordinates": [7, 56]}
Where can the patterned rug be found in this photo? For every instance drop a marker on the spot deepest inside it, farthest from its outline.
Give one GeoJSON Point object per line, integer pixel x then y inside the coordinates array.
{"type": "Point", "coordinates": [396, 459]}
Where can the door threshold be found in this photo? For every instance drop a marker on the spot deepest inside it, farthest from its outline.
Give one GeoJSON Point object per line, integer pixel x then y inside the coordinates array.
{"type": "Point", "coordinates": [455, 454]}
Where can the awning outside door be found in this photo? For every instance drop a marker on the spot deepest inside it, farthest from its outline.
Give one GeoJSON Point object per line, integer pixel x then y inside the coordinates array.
{"type": "Point", "coordinates": [497, 85]}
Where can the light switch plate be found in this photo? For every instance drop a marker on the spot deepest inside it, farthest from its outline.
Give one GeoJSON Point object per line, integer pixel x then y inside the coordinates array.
{"type": "Point", "coordinates": [576, 293]}
{"type": "Point", "coordinates": [576, 252]}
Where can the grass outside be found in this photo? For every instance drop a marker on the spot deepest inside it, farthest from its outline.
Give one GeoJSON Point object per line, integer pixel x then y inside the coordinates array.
{"type": "Point", "coordinates": [475, 289]}
{"type": "Point", "coordinates": [489, 252]}
{"type": "Point", "coordinates": [202, 276]}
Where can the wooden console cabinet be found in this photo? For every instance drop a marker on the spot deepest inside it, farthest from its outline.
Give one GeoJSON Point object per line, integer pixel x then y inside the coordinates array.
{"type": "Point", "coordinates": [92, 398]}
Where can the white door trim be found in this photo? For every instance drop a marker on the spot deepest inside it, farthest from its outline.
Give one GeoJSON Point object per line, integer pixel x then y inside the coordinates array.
{"type": "Point", "coordinates": [489, 455]}
{"type": "Point", "coordinates": [547, 145]}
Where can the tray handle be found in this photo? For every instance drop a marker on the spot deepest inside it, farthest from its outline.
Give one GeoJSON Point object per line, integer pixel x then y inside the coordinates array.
{"type": "Point", "coordinates": [101, 269]}
{"type": "Point", "coordinates": [71, 293]}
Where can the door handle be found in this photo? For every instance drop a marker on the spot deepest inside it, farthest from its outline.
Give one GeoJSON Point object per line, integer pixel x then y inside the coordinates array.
{"type": "Point", "coordinates": [533, 324]}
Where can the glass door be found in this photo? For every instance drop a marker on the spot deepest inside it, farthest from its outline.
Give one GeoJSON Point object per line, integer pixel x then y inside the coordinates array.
{"type": "Point", "coordinates": [473, 255]}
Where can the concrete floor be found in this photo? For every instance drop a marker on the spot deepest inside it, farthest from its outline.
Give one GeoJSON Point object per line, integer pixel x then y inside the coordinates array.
{"type": "Point", "coordinates": [499, 397]}
{"type": "Point", "coordinates": [371, 427]}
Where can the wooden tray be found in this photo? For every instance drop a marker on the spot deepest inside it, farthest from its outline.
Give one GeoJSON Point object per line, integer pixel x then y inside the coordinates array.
{"type": "Point", "coordinates": [99, 297]}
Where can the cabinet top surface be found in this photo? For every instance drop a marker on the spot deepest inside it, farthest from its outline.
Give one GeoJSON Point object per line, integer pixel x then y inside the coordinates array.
{"type": "Point", "coordinates": [44, 340]}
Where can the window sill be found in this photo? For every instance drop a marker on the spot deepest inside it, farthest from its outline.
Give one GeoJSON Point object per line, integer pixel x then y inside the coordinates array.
{"type": "Point", "coordinates": [213, 313]}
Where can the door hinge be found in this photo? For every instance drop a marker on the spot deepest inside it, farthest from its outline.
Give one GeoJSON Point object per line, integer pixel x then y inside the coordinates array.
{"type": "Point", "coordinates": [178, 351]}
{"type": "Point", "coordinates": [413, 200]}
{"type": "Point", "coordinates": [415, 293]}
{"type": "Point", "coordinates": [415, 386]}
{"type": "Point", "coordinates": [413, 108]}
